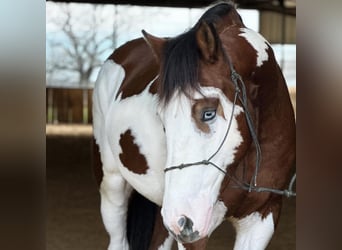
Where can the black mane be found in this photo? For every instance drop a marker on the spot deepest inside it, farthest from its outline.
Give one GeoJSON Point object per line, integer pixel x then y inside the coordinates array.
{"type": "Point", "coordinates": [181, 56]}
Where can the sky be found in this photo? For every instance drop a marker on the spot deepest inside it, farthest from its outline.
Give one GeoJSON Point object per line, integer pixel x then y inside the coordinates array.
{"type": "Point", "coordinates": [130, 20]}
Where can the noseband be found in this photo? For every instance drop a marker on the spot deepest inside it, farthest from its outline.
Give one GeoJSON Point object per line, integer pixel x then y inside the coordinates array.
{"type": "Point", "coordinates": [240, 93]}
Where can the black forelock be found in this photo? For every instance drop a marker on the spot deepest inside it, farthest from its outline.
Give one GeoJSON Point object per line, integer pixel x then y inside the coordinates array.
{"type": "Point", "coordinates": [180, 65]}
{"type": "Point", "coordinates": [181, 56]}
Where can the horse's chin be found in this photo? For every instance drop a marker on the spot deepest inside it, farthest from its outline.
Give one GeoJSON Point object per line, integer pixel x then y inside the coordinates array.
{"type": "Point", "coordinates": [189, 239]}
{"type": "Point", "coordinates": [199, 244]}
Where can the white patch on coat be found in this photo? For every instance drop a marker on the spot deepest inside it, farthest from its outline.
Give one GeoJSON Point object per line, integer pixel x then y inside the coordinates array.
{"type": "Point", "coordinates": [114, 189]}
{"type": "Point", "coordinates": [111, 117]}
{"type": "Point", "coordinates": [138, 113]}
{"type": "Point", "coordinates": [180, 246]}
{"type": "Point", "coordinates": [193, 191]}
{"type": "Point", "coordinates": [114, 192]}
{"type": "Point", "coordinates": [107, 84]}
{"type": "Point", "coordinates": [218, 216]}
{"type": "Point", "coordinates": [253, 232]}
{"type": "Point", "coordinates": [258, 42]}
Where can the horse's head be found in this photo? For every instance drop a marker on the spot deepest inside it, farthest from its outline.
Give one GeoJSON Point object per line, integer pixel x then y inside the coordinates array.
{"type": "Point", "coordinates": [206, 132]}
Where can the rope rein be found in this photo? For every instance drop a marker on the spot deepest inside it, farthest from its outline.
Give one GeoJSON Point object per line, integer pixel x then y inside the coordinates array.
{"type": "Point", "coordinates": [252, 186]}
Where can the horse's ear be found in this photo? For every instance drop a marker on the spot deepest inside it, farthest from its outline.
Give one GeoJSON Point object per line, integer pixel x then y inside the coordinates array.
{"type": "Point", "coordinates": [156, 44]}
{"type": "Point", "coordinates": [208, 41]}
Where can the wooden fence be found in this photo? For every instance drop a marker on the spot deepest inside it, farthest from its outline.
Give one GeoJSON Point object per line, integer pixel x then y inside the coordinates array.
{"type": "Point", "coordinates": [75, 105]}
{"type": "Point", "coordinates": [68, 105]}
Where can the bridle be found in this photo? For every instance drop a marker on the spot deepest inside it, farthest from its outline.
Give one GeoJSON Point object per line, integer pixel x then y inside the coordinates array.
{"type": "Point", "coordinates": [240, 93]}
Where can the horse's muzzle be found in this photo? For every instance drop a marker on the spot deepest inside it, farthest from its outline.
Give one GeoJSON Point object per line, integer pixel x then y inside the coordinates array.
{"type": "Point", "coordinates": [186, 233]}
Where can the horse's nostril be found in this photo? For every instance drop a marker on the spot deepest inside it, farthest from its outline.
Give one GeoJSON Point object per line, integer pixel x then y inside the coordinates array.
{"type": "Point", "coordinates": [181, 222]}
{"type": "Point", "coordinates": [185, 225]}
{"type": "Point", "coordinates": [186, 232]}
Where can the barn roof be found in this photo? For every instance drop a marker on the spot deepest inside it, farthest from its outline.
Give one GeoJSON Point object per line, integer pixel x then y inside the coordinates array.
{"type": "Point", "coordinates": [287, 7]}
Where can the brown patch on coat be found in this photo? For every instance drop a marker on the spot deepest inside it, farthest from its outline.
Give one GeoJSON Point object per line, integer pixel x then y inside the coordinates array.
{"type": "Point", "coordinates": [201, 105]}
{"type": "Point", "coordinates": [232, 197]}
{"type": "Point", "coordinates": [154, 87]}
{"type": "Point", "coordinates": [97, 164]}
{"type": "Point", "coordinates": [140, 66]}
{"type": "Point", "coordinates": [273, 118]}
{"type": "Point", "coordinates": [273, 206]}
{"type": "Point", "coordinates": [131, 157]}
{"type": "Point", "coordinates": [275, 127]}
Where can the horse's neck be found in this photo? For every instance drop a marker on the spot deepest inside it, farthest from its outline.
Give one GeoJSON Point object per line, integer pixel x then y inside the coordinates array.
{"type": "Point", "coordinates": [232, 19]}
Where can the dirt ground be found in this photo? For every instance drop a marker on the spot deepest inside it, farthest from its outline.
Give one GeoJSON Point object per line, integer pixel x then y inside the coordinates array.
{"type": "Point", "coordinates": [73, 215]}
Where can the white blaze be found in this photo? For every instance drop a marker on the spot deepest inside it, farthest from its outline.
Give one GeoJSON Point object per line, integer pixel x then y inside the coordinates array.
{"type": "Point", "coordinates": [193, 191]}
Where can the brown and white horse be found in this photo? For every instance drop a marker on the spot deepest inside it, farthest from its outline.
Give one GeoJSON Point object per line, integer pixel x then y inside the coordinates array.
{"type": "Point", "coordinates": [200, 125]}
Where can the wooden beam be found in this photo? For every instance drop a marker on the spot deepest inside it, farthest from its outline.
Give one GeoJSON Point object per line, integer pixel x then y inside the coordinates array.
{"type": "Point", "coordinates": [266, 5]}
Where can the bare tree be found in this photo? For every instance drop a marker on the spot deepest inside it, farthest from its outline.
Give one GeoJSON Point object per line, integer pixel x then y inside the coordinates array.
{"type": "Point", "coordinates": [85, 35]}
{"type": "Point", "coordinates": [81, 37]}
{"type": "Point", "coordinates": [82, 43]}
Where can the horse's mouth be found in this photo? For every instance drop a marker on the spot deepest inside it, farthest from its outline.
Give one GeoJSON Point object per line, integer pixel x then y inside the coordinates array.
{"type": "Point", "coordinates": [186, 237]}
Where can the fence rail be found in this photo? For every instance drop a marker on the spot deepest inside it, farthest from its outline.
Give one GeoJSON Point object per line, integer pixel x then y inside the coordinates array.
{"type": "Point", "coordinates": [74, 106]}
{"type": "Point", "coordinates": [69, 105]}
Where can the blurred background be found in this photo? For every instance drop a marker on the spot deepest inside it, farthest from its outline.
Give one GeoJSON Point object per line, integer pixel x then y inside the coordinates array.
{"type": "Point", "coordinates": [80, 35]}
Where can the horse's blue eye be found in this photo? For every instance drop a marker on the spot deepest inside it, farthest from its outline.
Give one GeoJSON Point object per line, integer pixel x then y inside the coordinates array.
{"type": "Point", "coordinates": [208, 115]}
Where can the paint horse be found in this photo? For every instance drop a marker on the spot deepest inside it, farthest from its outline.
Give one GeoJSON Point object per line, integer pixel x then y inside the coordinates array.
{"type": "Point", "coordinates": [200, 125]}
